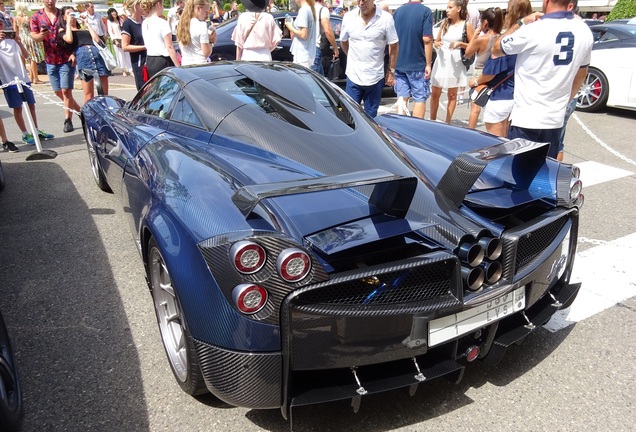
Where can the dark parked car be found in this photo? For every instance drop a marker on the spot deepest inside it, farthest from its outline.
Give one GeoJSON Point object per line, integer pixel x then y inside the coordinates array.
{"type": "Point", "coordinates": [10, 388]}
{"type": "Point", "coordinates": [224, 48]}
{"type": "Point", "coordinates": [611, 77]}
{"type": "Point", "coordinates": [299, 251]}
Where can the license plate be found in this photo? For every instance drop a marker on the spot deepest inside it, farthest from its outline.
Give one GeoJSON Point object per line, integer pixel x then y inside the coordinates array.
{"type": "Point", "coordinates": [451, 326]}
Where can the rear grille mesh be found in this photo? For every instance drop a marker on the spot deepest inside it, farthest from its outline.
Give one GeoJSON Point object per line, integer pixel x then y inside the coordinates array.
{"type": "Point", "coordinates": [395, 287]}
{"type": "Point", "coordinates": [532, 244]}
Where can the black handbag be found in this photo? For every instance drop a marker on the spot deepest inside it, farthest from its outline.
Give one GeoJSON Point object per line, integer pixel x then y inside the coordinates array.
{"type": "Point", "coordinates": [325, 46]}
{"type": "Point", "coordinates": [480, 95]}
{"type": "Point", "coordinates": [467, 61]}
{"type": "Point", "coordinates": [334, 69]}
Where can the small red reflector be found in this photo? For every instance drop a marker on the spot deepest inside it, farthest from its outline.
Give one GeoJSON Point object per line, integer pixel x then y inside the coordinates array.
{"type": "Point", "coordinates": [472, 353]}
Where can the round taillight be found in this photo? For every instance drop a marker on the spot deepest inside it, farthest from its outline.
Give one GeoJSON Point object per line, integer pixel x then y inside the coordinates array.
{"type": "Point", "coordinates": [293, 264]}
{"type": "Point", "coordinates": [576, 186]}
{"type": "Point", "coordinates": [249, 298]}
{"type": "Point", "coordinates": [248, 257]}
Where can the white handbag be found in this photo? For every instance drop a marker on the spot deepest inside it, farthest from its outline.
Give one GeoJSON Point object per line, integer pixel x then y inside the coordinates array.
{"type": "Point", "coordinates": [108, 57]}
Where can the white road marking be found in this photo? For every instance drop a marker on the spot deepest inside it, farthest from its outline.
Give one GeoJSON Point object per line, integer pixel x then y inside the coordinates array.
{"type": "Point", "coordinates": [600, 142]}
{"type": "Point", "coordinates": [594, 173]}
{"type": "Point", "coordinates": [608, 277]}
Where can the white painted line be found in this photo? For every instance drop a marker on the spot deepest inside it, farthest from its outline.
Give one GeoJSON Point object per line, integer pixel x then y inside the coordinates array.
{"type": "Point", "coordinates": [601, 143]}
{"type": "Point", "coordinates": [608, 277]}
{"type": "Point", "coordinates": [594, 173]}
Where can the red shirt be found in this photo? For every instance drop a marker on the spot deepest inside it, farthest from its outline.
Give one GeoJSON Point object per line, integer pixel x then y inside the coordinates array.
{"type": "Point", "coordinates": [53, 53]}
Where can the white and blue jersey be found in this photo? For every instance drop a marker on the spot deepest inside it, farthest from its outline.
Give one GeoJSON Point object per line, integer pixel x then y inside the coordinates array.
{"type": "Point", "coordinates": [550, 52]}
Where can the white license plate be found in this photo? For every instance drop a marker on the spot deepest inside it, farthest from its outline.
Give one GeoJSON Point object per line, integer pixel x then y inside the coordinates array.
{"type": "Point", "coordinates": [451, 326]}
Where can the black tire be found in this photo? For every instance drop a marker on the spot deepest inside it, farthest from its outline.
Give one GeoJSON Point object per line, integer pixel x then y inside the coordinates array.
{"type": "Point", "coordinates": [176, 339]}
{"type": "Point", "coordinates": [96, 168]}
{"type": "Point", "coordinates": [594, 92]}
{"type": "Point", "coordinates": [10, 388]}
{"type": "Point", "coordinates": [2, 180]}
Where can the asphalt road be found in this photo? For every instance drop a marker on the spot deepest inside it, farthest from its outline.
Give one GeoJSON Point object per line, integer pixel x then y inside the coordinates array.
{"type": "Point", "coordinates": [73, 295]}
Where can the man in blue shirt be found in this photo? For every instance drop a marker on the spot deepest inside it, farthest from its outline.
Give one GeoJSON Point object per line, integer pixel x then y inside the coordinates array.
{"type": "Point", "coordinates": [414, 26]}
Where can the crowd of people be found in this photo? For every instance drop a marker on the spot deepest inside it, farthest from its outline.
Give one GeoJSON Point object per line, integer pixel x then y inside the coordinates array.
{"type": "Point", "coordinates": [532, 87]}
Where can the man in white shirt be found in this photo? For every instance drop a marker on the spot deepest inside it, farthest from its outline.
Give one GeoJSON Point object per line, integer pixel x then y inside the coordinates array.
{"type": "Point", "coordinates": [94, 19]}
{"type": "Point", "coordinates": [552, 59]}
{"type": "Point", "coordinates": [323, 23]}
{"type": "Point", "coordinates": [173, 17]}
{"type": "Point", "coordinates": [365, 33]}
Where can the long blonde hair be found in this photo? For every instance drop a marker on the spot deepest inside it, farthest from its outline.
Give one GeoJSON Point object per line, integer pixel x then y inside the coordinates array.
{"type": "Point", "coordinates": [517, 9]}
{"type": "Point", "coordinates": [183, 28]}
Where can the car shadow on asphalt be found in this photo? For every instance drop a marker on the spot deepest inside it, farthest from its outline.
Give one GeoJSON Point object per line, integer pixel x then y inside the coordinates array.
{"type": "Point", "coordinates": [396, 409]}
{"type": "Point", "coordinates": [76, 356]}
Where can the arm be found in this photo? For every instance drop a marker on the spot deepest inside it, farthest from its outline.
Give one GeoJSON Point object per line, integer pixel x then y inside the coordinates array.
{"type": "Point", "coordinates": [496, 48]}
{"type": "Point", "coordinates": [127, 47]}
{"type": "Point", "coordinates": [476, 45]}
{"type": "Point", "coordinates": [94, 36]}
{"type": "Point", "coordinates": [326, 25]}
{"type": "Point", "coordinates": [578, 81]}
{"type": "Point", "coordinates": [167, 39]}
{"type": "Point", "coordinates": [428, 53]}
{"type": "Point", "coordinates": [302, 32]}
{"type": "Point", "coordinates": [345, 46]}
{"type": "Point", "coordinates": [481, 79]}
{"type": "Point", "coordinates": [390, 74]}
{"type": "Point", "coordinates": [39, 34]}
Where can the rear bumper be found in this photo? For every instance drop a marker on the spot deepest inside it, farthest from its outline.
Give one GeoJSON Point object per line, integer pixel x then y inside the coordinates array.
{"type": "Point", "coordinates": [270, 380]}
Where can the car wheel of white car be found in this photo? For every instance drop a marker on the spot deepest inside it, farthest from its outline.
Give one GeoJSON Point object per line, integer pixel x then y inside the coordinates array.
{"type": "Point", "coordinates": [593, 93]}
{"type": "Point", "coordinates": [176, 339]}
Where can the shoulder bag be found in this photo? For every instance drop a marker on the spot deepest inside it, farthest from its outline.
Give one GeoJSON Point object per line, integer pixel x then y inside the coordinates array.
{"type": "Point", "coordinates": [480, 95]}
{"type": "Point", "coordinates": [109, 59]}
{"type": "Point", "coordinates": [467, 61]}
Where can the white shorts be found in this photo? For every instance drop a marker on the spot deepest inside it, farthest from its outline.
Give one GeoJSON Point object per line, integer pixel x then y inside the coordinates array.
{"type": "Point", "coordinates": [497, 110]}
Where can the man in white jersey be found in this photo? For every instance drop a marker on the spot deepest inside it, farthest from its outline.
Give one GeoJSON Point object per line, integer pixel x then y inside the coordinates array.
{"type": "Point", "coordinates": [552, 59]}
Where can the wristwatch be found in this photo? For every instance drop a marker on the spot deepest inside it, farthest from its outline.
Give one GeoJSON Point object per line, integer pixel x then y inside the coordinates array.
{"type": "Point", "coordinates": [392, 70]}
{"type": "Point", "coordinates": [520, 22]}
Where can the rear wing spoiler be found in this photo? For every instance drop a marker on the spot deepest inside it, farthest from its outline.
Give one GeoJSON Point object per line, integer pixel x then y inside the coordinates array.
{"type": "Point", "coordinates": [466, 168]}
{"type": "Point", "coordinates": [392, 195]}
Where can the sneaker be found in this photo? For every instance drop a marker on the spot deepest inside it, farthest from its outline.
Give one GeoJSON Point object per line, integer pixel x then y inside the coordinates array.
{"type": "Point", "coordinates": [45, 136]}
{"type": "Point", "coordinates": [10, 147]}
{"type": "Point", "coordinates": [68, 125]}
{"type": "Point", "coordinates": [27, 138]}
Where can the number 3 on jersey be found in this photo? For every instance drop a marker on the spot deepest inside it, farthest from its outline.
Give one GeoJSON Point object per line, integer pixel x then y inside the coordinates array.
{"type": "Point", "coordinates": [565, 40]}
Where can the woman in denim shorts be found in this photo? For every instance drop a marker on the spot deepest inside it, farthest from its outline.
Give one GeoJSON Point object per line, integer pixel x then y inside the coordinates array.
{"type": "Point", "coordinates": [83, 42]}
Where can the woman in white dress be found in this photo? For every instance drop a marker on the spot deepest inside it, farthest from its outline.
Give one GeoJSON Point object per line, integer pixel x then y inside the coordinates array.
{"type": "Point", "coordinates": [449, 72]}
{"type": "Point", "coordinates": [114, 31]}
{"type": "Point", "coordinates": [256, 33]}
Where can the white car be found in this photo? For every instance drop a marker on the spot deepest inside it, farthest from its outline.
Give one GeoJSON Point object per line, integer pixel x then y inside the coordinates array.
{"type": "Point", "coordinates": [611, 77]}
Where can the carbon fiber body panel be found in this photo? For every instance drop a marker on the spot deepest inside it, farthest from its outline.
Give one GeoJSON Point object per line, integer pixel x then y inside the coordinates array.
{"type": "Point", "coordinates": [251, 380]}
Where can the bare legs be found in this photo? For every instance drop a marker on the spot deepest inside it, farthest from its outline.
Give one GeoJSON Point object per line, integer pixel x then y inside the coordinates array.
{"type": "Point", "coordinates": [66, 95]}
{"type": "Point", "coordinates": [436, 93]}
{"type": "Point", "coordinates": [89, 88]}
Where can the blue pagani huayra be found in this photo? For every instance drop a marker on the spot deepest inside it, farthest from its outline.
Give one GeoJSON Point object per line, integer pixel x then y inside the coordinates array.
{"type": "Point", "coordinates": [299, 251]}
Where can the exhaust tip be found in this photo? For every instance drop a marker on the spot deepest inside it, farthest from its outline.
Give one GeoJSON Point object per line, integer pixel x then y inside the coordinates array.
{"type": "Point", "coordinates": [473, 278]}
{"type": "Point", "coordinates": [493, 272]}
{"type": "Point", "coordinates": [471, 253]}
{"type": "Point", "coordinates": [492, 247]}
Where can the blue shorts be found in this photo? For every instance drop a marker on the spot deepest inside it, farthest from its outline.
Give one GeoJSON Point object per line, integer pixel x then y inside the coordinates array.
{"type": "Point", "coordinates": [412, 84]}
{"type": "Point", "coordinates": [88, 58]}
{"type": "Point", "coordinates": [62, 76]}
{"type": "Point", "coordinates": [13, 98]}
{"type": "Point", "coordinates": [551, 136]}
